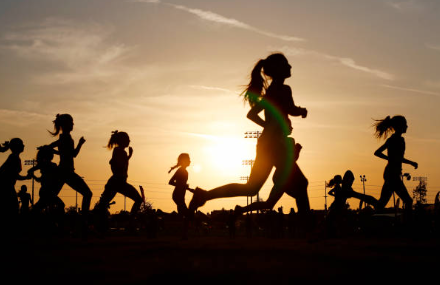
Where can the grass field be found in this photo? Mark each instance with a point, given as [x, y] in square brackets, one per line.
[219, 259]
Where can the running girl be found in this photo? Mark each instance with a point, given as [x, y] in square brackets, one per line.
[9, 174]
[179, 181]
[395, 146]
[117, 183]
[277, 103]
[63, 126]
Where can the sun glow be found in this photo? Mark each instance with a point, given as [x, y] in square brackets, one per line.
[226, 155]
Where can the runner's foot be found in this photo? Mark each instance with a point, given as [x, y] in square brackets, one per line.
[197, 200]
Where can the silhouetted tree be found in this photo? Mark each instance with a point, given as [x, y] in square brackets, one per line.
[419, 193]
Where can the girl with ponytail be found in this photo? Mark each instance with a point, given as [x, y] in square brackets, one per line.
[119, 166]
[267, 93]
[9, 174]
[395, 146]
[63, 126]
[179, 181]
[336, 191]
[343, 189]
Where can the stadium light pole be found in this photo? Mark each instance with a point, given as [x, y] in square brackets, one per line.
[252, 135]
[31, 162]
[246, 178]
[251, 163]
[363, 179]
[421, 179]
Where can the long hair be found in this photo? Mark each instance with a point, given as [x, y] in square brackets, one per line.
[259, 82]
[348, 175]
[12, 145]
[382, 128]
[59, 122]
[336, 180]
[182, 157]
[116, 138]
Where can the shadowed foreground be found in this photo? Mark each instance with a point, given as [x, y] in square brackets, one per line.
[208, 260]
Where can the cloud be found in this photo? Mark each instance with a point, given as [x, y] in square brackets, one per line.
[434, 47]
[216, 18]
[345, 61]
[404, 5]
[21, 119]
[80, 49]
[412, 90]
[210, 88]
[144, 1]
[432, 84]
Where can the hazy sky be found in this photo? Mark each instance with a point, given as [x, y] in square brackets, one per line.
[169, 73]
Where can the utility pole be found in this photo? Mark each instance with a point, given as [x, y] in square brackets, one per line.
[363, 179]
[31, 162]
[325, 196]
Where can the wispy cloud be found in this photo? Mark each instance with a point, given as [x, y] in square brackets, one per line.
[21, 118]
[412, 90]
[210, 88]
[80, 49]
[220, 19]
[434, 47]
[144, 1]
[404, 5]
[345, 61]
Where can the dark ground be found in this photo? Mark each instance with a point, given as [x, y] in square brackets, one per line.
[120, 258]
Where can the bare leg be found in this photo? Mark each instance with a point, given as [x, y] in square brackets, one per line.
[259, 174]
[274, 196]
[403, 194]
[385, 195]
[260, 171]
[365, 198]
[129, 191]
[78, 184]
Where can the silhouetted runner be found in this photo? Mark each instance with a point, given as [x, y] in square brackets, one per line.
[63, 126]
[343, 189]
[179, 181]
[51, 181]
[277, 103]
[25, 200]
[395, 146]
[9, 174]
[117, 183]
[336, 191]
[295, 186]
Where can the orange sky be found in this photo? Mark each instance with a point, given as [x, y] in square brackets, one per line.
[169, 74]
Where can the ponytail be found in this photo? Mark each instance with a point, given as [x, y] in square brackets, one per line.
[257, 85]
[259, 82]
[180, 161]
[173, 167]
[385, 126]
[335, 181]
[112, 141]
[59, 122]
[4, 146]
[115, 139]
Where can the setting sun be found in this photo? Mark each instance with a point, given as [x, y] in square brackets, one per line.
[227, 154]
